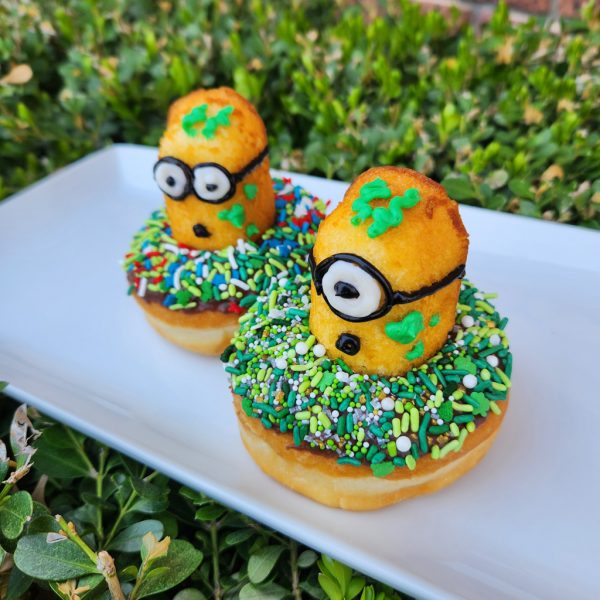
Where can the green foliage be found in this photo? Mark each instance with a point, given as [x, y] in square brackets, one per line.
[507, 118]
[120, 528]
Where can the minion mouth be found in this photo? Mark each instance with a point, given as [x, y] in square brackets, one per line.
[201, 231]
[348, 344]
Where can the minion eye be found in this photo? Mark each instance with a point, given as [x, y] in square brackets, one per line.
[350, 290]
[212, 183]
[172, 178]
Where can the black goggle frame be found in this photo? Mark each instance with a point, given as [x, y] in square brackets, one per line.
[392, 297]
[234, 178]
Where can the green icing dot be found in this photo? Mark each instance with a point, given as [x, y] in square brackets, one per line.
[483, 404]
[406, 330]
[197, 115]
[236, 215]
[251, 230]
[464, 363]
[445, 411]
[435, 319]
[383, 217]
[250, 190]
[416, 352]
[382, 469]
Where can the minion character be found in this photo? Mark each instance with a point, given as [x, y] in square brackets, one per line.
[386, 270]
[213, 170]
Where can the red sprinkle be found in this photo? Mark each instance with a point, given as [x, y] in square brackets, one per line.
[234, 307]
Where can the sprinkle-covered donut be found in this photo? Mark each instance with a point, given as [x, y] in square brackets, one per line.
[197, 263]
[341, 421]
[173, 278]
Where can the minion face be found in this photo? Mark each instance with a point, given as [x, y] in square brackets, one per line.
[386, 282]
[213, 170]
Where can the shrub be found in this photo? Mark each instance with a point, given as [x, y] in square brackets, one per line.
[508, 119]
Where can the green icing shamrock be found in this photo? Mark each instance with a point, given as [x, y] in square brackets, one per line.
[250, 190]
[197, 115]
[383, 217]
[483, 404]
[463, 363]
[236, 215]
[251, 230]
[406, 330]
[416, 352]
[435, 319]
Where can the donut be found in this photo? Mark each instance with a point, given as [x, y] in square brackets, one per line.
[226, 227]
[386, 373]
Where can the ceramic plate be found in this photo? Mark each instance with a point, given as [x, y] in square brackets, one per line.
[523, 524]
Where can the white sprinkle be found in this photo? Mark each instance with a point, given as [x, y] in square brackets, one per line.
[141, 291]
[342, 376]
[276, 313]
[171, 248]
[301, 348]
[492, 360]
[495, 340]
[283, 282]
[469, 381]
[222, 286]
[240, 284]
[403, 443]
[231, 258]
[319, 350]
[460, 342]
[440, 421]
[177, 278]
[468, 321]
[387, 404]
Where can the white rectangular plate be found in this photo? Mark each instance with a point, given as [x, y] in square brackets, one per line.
[523, 524]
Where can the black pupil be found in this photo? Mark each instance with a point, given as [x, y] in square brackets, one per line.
[211, 187]
[345, 290]
[170, 181]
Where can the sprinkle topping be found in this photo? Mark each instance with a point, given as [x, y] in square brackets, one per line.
[160, 269]
[383, 422]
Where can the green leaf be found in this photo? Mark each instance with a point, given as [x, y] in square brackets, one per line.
[237, 537]
[18, 584]
[497, 179]
[210, 512]
[179, 563]
[262, 563]
[3, 385]
[521, 189]
[130, 539]
[264, 591]
[56, 561]
[189, 594]
[355, 586]
[330, 587]
[15, 511]
[307, 559]
[59, 454]
[459, 187]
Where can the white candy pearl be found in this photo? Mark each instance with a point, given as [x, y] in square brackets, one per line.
[403, 443]
[319, 350]
[280, 363]
[492, 360]
[301, 348]
[470, 381]
[342, 376]
[468, 321]
[494, 339]
[387, 404]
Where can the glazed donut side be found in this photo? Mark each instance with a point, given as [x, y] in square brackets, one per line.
[321, 478]
[208, 332]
